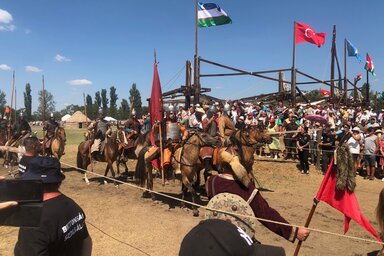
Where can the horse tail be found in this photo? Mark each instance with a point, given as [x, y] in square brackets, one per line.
[141, 168]
[79, 160]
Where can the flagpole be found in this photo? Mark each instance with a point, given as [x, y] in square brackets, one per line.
[293, 71]
[15, 115]
[196, 64]
[43, 99]
[367, 103]
[345, 71]
[307, 222]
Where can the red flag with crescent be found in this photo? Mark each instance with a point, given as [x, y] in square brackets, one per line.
[325, 92]
[305, 33]
[156, 103]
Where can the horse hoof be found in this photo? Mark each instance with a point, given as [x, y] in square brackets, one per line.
[105, 182]
[195, 213]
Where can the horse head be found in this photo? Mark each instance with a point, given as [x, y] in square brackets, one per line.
[60, 133]
[245, 137]
[260, 134]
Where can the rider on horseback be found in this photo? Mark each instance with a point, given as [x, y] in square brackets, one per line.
[131, 128]
[101, 129]
[225, 125]
[50, 128]
[20, 130]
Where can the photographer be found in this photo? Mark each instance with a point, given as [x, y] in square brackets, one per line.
[62, 229]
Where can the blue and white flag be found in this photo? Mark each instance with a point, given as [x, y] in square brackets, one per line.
[211, 14]
[353, 51]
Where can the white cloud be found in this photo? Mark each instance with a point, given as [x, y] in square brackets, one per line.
[61, 58]
[7, 27]
[79, 82]
[5, 17]
[4, 67]
[32, 69]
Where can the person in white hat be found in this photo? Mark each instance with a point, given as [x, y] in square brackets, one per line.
[354, 146]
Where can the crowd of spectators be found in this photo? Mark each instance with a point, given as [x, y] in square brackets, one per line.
[309, 133]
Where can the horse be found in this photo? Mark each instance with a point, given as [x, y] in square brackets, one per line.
[3, 138]
[127, 148]
[109, 155]
[58, 143]
[191, 145]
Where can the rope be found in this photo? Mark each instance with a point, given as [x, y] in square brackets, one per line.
[116, 239]
[225, 212]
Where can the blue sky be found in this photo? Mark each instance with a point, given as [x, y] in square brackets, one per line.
[99, 44]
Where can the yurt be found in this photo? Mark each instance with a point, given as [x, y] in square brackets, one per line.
[77, 120]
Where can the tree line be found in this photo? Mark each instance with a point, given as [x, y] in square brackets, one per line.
[101, 99]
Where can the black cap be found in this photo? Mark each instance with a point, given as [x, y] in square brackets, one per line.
[46, 169]
[216, 237]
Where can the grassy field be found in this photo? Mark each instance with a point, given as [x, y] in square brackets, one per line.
[74, 135]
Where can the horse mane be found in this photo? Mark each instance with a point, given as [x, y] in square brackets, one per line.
[237, 142]
[143, 139]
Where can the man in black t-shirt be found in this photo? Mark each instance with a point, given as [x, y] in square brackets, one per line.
[327, 145]
[62, 230]
[32, 149]
[344, 136]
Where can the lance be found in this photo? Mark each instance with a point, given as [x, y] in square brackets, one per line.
[43, 104]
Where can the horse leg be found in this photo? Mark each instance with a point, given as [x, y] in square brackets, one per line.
[188, 187]
[150, 180]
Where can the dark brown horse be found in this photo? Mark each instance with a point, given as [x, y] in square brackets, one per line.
[109, 155]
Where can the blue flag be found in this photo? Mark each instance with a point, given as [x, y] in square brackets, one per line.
[353, 51]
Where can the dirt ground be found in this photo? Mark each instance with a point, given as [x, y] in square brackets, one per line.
[121, 222]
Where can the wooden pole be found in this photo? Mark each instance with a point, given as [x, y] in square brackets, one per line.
[43, 103]
[367, 91]
[345, 72]
[333, 63]
[188, 88]
[307, 222]
[293, 71]
[161, 153]
[15, 113]
[196, 64]
[13, 92]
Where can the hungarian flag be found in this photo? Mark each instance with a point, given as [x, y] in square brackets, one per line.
[156, 103]
[325, 92]
[369, 65]
[210, 14]
[358, 77]
[344, 201]
[305, 33]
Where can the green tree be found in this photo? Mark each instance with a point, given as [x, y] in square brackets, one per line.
[28, 101]
[364, 94]
[104, 101]
[313, 95]
[112, 103]
[124, 109]
[46, 105]
[90, 106]
[70, 109]
[135, 99]
[97, 104]
[3, 102]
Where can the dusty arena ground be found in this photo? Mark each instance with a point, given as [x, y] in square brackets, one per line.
[121, 222]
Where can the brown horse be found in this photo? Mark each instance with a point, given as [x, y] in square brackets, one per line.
[109, 155]
[127, 148]
[58, 143]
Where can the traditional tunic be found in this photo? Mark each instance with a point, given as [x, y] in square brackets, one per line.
[225, 183]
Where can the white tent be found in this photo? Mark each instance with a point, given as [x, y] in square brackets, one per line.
[65, 118]
[110, 119]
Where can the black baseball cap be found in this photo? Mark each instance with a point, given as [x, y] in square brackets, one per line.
[215, 237]
[46, 169]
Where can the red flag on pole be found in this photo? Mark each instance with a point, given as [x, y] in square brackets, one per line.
[156, 103]
[344, 201]
[305, 33]
[325, 92]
